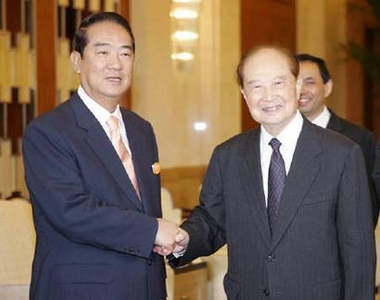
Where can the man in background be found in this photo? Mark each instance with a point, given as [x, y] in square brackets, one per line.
[317, 86]
[92, 172]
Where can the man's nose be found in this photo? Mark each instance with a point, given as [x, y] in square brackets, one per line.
[267, 93]
[303, 88]
[114, 61]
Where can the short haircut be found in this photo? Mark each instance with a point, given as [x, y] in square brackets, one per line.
[293, 64]
[323, 71]
[80, 39]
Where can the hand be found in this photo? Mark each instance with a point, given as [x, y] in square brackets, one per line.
[166, 236]
[182, 240]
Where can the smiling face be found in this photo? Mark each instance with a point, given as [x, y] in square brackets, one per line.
[270, 89]
[106, 66]
[313, 92]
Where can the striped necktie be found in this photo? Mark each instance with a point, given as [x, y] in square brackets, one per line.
[276, 181]
[125, 157]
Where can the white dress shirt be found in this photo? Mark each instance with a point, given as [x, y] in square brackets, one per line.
[102, 115]
[288, 138]
[323, 119]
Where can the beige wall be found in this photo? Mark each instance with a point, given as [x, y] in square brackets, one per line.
[321, 30]
[173, 97]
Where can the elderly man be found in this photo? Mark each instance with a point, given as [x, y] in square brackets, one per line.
[290, 199]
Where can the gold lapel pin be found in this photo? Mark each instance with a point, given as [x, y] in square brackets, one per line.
[156, 168]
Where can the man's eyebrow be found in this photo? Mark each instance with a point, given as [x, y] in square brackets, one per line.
[252, 81]
[101, 44]
[283, 77]
[127, 47]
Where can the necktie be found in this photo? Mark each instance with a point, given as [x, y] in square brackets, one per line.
[125, 157]
[276, 181]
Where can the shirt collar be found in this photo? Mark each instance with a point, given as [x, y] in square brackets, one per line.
[100, 113]
[288, 136]
[323, 119]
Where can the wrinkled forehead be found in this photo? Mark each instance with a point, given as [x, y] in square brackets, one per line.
[266, 63]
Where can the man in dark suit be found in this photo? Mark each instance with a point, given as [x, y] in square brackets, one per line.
[316, 88]
[97, 220]
[318, 242]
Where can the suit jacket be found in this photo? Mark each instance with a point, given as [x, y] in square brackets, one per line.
[376, 168]
[94, 236]
[322, 245]
[366, 141]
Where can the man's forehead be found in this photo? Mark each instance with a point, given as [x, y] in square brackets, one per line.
[266, 59]
[308, 65]
[106, 28]
[266, 69]
[268, 53]
[309, 70]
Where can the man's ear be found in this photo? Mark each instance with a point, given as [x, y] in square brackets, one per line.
[298, 87]
[328, 88]
[76, 59]
[242, 92]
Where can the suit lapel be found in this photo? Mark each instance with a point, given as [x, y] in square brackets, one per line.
[102, 147]
[251, 177]
[305, 166]
[335, 123]
[142, 165]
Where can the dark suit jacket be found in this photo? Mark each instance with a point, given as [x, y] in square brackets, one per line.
[323, 244]
[366, 141]
[376, 169]
[94, 236]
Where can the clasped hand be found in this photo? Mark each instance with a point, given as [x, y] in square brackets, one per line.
[170, 238]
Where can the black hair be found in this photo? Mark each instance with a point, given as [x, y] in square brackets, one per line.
[80, 39]
[325, 74]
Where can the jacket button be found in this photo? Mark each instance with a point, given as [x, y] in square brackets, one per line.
[270, 257]
[266, 292]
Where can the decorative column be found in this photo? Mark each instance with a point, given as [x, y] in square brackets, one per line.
[17, 88]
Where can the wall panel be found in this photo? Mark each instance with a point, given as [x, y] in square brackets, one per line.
[266, 22]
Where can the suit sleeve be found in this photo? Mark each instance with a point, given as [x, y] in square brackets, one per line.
[61, 196]
[355, 231]
[375, 176]
[369, 151]
[206, 223]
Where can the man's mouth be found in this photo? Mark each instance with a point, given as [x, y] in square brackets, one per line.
[272, 108]
[303, 100]
[114, 78]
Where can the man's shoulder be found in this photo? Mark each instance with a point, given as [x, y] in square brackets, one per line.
[132, 115]
[59, 115]
[346, 126]
[239, 143]
[133, 119]
[325, 138]
[356, 133]
[239, 138]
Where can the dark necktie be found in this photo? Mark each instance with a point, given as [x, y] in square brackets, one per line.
[276, 181]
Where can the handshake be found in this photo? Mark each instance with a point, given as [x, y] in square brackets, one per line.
[170, 238]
